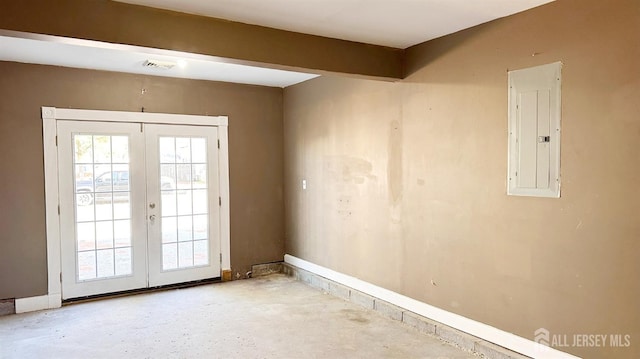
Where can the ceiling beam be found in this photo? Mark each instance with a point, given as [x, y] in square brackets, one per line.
[114, 22]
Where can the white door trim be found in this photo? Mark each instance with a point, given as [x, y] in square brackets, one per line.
[49, 134]
[135, 117]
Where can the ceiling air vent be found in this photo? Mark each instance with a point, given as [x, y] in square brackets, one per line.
[157, 64]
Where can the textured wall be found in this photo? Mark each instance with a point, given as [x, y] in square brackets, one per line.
[255, 151]
[407, 181]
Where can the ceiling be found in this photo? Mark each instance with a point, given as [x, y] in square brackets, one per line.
[393, 23]
[51, 50]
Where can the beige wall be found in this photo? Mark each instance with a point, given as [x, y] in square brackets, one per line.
[255, 150]
[407, 181]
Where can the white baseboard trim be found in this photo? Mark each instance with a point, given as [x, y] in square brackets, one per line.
[32, 304]
[483, 331]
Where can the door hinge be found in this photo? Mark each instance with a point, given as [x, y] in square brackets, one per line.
[220, 258]
[220, 201]
[60, 277]
[218, 144]
[141, 122]
[56, 141]
[58, 210]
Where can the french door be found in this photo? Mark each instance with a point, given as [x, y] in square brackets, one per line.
[139, 205]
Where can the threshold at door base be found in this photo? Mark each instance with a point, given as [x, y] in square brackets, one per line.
[139, 291]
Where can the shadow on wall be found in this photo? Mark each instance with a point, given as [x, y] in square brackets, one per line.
[479, 53]
[418, 56]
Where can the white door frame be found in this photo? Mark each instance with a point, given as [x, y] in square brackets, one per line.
[49, 138]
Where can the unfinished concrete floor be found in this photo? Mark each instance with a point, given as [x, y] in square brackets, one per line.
[267, 317]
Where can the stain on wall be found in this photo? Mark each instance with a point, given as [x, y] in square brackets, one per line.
[255, 151]
[394, 163]
[437, 211]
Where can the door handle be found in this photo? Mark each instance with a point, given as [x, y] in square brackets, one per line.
[152, 217]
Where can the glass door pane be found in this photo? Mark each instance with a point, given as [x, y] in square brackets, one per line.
[184, 198]
[102, 205]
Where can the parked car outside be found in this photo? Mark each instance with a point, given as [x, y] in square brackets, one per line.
[116, 182]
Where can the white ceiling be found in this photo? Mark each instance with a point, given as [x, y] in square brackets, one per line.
[394, 23]
[49, 50]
